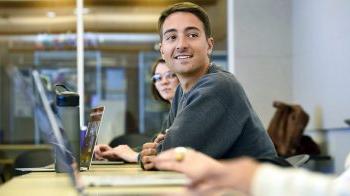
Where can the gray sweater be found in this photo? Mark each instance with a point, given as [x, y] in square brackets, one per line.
[216, 118]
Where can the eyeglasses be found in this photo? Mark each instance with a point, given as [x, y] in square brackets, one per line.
[167, 75]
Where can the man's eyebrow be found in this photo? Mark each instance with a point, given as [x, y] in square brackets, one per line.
[192, 28]
[169, 30]
[186, 29]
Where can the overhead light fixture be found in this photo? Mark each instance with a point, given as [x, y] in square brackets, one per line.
[51, 14]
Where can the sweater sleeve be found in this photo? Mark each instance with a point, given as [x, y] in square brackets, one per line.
[197, 123]
[274, 181]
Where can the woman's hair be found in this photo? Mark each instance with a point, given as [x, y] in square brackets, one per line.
[154, 90]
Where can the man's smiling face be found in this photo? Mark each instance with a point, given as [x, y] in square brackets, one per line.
[185, 46]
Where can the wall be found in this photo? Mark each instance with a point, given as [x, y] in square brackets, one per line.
[321, 63]
[218, 24]
[263, 51]
[296, 51]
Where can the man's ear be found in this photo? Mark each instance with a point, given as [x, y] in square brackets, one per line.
[210, 45]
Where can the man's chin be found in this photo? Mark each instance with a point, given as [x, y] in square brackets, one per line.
[186, 72]
[183, 68]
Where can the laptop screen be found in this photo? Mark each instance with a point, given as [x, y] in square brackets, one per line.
[90, 138]
[36, 97]
[50, 126]
[63, 152]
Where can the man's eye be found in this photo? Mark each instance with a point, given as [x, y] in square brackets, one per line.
[171, 37]
[193, 35]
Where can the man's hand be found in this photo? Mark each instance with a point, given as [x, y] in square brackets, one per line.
[148, 153]
[160, 137]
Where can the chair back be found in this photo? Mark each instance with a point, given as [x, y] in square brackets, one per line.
[34, 158]
[286, 131]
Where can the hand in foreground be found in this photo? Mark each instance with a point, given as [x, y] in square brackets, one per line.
[99, 149]
[148, 153]
[206, 173]
[123, 152]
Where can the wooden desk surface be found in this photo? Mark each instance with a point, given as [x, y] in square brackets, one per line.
[44, 183]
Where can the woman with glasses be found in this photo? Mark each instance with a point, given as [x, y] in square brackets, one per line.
[163, 89]
[164, 82]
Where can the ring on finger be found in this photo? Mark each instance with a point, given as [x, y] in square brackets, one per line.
[180, 153]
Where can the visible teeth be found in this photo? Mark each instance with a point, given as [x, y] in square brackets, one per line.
[183, 57]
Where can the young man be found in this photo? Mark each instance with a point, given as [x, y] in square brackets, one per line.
[210, 111]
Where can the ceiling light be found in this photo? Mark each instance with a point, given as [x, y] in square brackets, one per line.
[51, 14]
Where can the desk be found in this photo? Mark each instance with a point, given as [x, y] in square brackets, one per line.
[51, 183]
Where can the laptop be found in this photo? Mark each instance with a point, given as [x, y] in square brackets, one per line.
[94, 123]
[88, 145]
[87, 148]
[43, 112]
[106, 162]
[90, 140]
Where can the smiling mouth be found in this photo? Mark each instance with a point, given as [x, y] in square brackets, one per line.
[183, 57]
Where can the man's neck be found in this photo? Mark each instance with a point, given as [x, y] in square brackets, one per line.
[188, 81]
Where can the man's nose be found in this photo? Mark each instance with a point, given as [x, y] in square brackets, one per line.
[182, 43]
